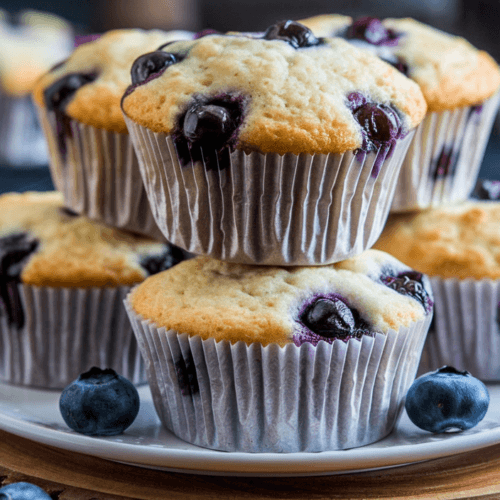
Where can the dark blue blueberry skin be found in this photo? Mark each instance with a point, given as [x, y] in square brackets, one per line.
[23, 491]
[99, 403]
[15, 250]
[413, 284]
[329, 317]
[207, 130]
[447, 399]
[152, 65]
[294, 33]
[371, 30]
[172, 255]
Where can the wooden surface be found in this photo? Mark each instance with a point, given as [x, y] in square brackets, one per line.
[70, 476]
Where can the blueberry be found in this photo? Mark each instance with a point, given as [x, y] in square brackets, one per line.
[447, 399]
[487, 190]
[60, 93]
[398, 63]
[15, 250]
[156, 263]
[23, 491]
[379, 122]
[99, 403]
[208, 123]
[331, 317]
[371, 30]
[153, 63]
[296, 34]
[413, 284]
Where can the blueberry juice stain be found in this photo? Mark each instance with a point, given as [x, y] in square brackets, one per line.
[15, 250]
[187, 379]
[58, 96]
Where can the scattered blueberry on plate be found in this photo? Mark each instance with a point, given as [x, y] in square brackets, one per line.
[447, 399]
[99, 403]
[23, 491]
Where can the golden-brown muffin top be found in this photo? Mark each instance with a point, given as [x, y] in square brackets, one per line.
[108, 59]
[234, 302]
[450, 71]
[293, 100]
[459, 241]
[72, 251]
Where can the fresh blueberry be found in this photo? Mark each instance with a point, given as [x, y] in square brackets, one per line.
[447, 399]
[15, 250]
[371, 30]
[99, 403]
[296, 34]
[23, 491]
[413, 284]
[156, 263]
[332, 318]
[153, 63]
[486, 190]
[60, 93]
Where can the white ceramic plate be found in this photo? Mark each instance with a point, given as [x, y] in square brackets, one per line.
[34, 414]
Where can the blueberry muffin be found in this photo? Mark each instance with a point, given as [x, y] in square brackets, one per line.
[460, 84]
[63, 278]
[246, 141]
[91, 157]
[223, 343]
[30, 43]
[458, 247]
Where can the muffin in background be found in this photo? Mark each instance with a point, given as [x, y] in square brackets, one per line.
[30, 43]
[458, 247]
[281, 359]
[460, 85]
[63, 279]
[92, 160]
[279, 149]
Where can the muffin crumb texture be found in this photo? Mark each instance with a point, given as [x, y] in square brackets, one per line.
[459, 241]
[224, 301]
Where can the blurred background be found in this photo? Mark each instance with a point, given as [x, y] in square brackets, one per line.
[476, 20]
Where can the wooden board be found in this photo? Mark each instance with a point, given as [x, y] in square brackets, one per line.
[70, 476]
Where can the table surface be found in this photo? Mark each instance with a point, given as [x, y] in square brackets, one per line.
[71, 476]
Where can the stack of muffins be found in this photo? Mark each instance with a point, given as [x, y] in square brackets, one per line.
[433, 227]
[275, 158]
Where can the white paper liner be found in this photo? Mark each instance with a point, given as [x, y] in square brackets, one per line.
[21, 138]
[466, 332]
[268, 209]
[463, 131]
[272, 399]
[66, 332]
[99, 176]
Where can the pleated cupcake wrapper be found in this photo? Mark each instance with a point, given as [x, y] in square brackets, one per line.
[66, 332]
[466, 331]
[249, 398]
[266, 208]
[21, 138]
[464, 133]
[99, 176]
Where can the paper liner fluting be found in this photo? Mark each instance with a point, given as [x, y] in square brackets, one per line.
[21, 138]
[443, 161]
[67, 331]
[98, 174]
[269, 209]
[249, 398]
[466, 332]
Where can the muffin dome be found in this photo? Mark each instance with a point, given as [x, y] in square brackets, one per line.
[460, 241]
[449, 70]
[47, 245]
[369, 293]
[88, 86]
[287, 92]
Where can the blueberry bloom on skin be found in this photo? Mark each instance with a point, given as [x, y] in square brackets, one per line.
[447, 399]
[23, 491]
